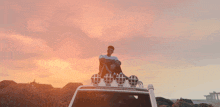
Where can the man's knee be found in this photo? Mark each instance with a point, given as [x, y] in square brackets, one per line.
[117, 63]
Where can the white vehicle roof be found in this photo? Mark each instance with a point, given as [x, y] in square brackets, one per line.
[119, 85]
[114, 89]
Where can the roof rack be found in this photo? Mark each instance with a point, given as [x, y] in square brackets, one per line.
[119, 80]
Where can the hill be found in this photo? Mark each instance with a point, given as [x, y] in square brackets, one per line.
[35, 94]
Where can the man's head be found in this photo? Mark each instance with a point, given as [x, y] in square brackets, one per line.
[110, 50]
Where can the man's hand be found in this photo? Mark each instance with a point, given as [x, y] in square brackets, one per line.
[118, 63]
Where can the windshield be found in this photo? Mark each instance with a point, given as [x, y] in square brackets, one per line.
[110, 99]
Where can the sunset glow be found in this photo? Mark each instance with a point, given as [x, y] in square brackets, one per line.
[171, 44]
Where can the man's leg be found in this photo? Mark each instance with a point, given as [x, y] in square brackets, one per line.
[103, 73]
[118, 71]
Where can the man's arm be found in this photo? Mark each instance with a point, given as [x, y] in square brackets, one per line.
[100, 69]
[102, 60]
[117, 62]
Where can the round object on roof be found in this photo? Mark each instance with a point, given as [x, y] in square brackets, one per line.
[140, 84]
[108, 78]
[133, 80]
[120, 78]
[96, 79]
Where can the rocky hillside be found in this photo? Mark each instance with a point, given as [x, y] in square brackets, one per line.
[163, 102]
[14, 94]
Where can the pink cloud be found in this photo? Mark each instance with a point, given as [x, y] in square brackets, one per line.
[184, 27]
[68, 48]
[26, 44]
[3, 75]
[106, 20]
[37, 25]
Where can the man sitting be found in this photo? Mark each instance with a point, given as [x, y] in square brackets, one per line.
[109, 64]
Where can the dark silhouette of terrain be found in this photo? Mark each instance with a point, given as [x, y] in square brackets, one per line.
[163, 102]
[33, 94]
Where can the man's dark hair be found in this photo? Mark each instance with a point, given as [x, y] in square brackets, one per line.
[111, 47]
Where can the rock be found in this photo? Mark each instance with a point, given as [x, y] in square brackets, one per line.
[205, 105]
[188, 103]
[164, 101]
[42, 86]
[20, 94]
[71, 86]
[164, 106]
[196, 105]
[6, 83]
[187, 100]
[182, 104]
[35, 94]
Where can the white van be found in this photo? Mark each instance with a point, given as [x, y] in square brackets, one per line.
[114, 92]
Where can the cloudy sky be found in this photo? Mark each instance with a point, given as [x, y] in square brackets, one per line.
[172, 44]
